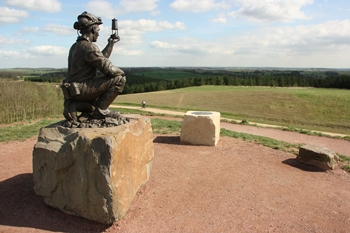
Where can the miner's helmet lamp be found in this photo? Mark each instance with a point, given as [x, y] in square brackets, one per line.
[85, 20]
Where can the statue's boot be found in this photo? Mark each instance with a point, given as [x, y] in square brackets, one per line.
[102, 104]
[69, 111]
[71, 107]
[86, 108]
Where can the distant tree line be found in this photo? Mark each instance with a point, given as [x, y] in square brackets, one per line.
[137, 82]
[52, 77]
[10, 75]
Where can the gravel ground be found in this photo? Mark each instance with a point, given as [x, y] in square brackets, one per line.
[236, 186]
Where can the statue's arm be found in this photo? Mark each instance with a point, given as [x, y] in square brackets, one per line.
[107, 51]
[97, 58]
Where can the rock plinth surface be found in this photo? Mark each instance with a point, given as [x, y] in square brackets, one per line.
[201, 128]
[318, 156]
[93, 172]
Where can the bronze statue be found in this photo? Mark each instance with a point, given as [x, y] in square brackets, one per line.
[83, 91]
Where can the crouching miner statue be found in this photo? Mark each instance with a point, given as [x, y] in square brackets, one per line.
[83, 91]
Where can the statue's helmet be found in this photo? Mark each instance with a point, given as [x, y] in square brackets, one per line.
[85, 20]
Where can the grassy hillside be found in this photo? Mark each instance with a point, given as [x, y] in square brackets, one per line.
[22, 101]
[308, 108]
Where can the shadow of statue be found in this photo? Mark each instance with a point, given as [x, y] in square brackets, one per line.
[21, 207]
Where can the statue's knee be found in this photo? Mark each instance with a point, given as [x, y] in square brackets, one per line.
[119, 83]
[122, 80]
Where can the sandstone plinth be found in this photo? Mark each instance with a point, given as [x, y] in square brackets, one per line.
[93, 172]
[201, 128]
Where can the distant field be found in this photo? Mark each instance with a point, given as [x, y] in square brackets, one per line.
[307, 108]
[32, 71]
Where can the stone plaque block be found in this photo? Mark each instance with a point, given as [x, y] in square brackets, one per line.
[93, 172]
[318, 156]
[201, 128]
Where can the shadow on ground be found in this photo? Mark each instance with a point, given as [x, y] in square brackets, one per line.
[21, 207]
[167, 139]
[308, 168]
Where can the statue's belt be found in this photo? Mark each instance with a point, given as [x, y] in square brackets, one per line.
[70, 89]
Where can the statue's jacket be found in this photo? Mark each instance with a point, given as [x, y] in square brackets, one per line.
[84, 59]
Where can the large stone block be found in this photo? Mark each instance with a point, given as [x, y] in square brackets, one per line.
[318, 156]
[201, 128]
[93, 172]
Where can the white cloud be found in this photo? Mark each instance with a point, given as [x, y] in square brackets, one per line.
[107, 9]
[6, 40]
[180, 25]
[163, 45]
[260, 10]
[46, 50]
[271, 10]
[198, 6]
[189, 46]
[146, 25]
[167, 25]
[330, 35]
[30, 29]
[102, 7]
[283, 46]
[9, 54]
[155, 12]
[27, 30]
[131, 31]
[220, 19]
[59, 29]
[37, 5]
[138, 5]
[8, 15]
[128, 52]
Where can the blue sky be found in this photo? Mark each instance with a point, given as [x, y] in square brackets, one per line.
[234, 33]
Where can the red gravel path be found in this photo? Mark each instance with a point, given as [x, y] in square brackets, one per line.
[234, 187]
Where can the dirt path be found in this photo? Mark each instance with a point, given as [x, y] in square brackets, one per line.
[337, 145]
[180, 100]
[236, 186]
[170, 112]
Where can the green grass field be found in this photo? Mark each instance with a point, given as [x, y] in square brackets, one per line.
[307, 108]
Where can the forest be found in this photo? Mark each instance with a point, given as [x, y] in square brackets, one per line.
[139, 82]
[148, 79]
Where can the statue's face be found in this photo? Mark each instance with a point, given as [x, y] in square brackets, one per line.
[96, 33]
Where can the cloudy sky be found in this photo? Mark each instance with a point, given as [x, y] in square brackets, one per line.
[234, 33]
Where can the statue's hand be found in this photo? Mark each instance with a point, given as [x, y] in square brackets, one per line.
[113, 38]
